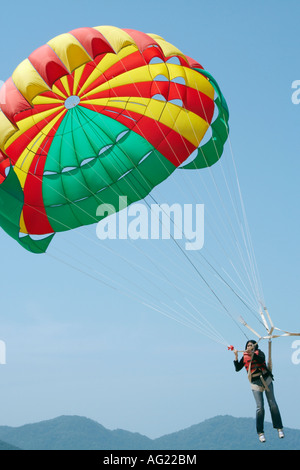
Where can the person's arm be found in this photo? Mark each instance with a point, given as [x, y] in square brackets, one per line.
[238, 364]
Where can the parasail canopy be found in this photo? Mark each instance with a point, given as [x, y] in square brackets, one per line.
[95, 114]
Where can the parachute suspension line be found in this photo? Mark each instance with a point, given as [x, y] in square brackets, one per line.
[196, 269]
[257, 281]
[222, 247]
[204, 326]
[247, 236]
[147, 188]
[241, 225]
[221, 277]
[248, 241]
[192, 264]
[103, 265]
[189, 260]
[227, 186]
[213, 329]
[137, 298]
[166, 276]
[245, 228]
[228, 285]
[219, 195]
[252, 263]
[80, 270]
[179, 318]
[234, 267]
[216, 270]
[204, 332]
[143, 188]
[135, 266]
[183, 253]
[205, 281]
[255, 266]
[212, 267]
[88, 273]
[173, 151]
[231, 198]
[245, 300]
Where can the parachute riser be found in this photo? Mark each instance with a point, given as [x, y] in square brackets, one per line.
[270, 362]
[270, 328]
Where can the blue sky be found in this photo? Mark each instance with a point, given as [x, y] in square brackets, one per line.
[77, 346]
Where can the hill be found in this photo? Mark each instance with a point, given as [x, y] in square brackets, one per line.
[71, 433]
[79, 433]
[6, 446]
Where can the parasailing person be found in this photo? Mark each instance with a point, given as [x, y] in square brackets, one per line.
[261, 379]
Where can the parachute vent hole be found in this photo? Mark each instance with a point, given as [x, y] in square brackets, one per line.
[177, 102]
[155, 46]
[145, 156]
[124, 115]
[72, 101]
[81, 199]
[101, 189]
[68, 168]
[87, 160]
[112, 111]
[207, 137]
[36, 237]
[191, 157]
[104, 150]
[160, 78]
[159, 97]
[216, 114]
[122, 135]
[156, 60]
[122, 176]
[174, 60]
[179, 80]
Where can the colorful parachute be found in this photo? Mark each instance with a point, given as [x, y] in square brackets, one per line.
[94, 114]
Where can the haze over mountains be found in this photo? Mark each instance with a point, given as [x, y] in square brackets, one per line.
[79, 433]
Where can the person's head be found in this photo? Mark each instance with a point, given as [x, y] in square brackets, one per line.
[251, 346]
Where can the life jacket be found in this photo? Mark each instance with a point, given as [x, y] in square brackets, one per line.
[254, 365]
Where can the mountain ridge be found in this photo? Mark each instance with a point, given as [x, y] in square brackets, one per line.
[72, 432]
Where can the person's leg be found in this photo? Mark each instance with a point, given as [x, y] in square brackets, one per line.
[275, 413]
[260, 411]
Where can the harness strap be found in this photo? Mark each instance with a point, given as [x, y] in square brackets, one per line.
[264, 384]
